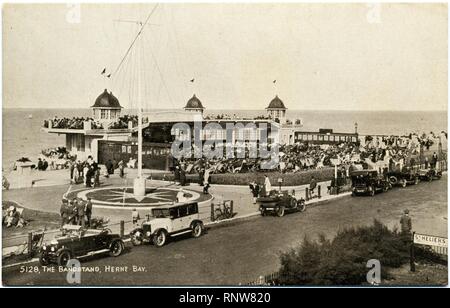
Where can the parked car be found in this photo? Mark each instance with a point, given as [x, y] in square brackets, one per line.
[280, 202]
[368, 182]
[429, 174]
[77, 241]
[169, 221]
[402, 178]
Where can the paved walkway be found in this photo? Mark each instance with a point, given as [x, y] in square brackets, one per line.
[46, 196]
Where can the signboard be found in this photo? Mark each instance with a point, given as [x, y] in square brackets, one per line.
[423, 239]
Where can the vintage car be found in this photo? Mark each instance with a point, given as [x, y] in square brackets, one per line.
[279, 203]
[368, 182]
[169, 221]
[77, 241]
[402, 178]
[429, 174]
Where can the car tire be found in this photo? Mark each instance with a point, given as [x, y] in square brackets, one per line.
[136, 240]
[280, 211]
[197, 229]
[301, 206]
[43, 260]
[372, 192]
[404, 183]
[64, 257]
[393, 180]
[263, 213]
[160, 238]
[117, 248]
[416, 181]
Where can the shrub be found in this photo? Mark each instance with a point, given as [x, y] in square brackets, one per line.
[342, 260]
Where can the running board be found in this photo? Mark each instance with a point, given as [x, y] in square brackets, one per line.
[180, 233]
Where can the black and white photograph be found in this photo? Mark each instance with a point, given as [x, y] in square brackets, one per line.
[214, 144]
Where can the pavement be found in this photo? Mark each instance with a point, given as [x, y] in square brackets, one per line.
[240, 251]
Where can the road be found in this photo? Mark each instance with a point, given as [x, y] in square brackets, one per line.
[241, 251]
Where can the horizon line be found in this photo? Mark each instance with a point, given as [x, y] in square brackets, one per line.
[245, 109]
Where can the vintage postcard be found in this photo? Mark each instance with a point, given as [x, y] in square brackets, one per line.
[224, 144]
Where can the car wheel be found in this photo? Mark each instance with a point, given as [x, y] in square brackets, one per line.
[393, 180]
[301, 206]
[197, 229]
[160, 238]
[416, 181]
[116, 248]
[280, 211]
[64, 257]
[263, 213]
[430, 178]
[372, 191]
[136, 240]
[43, 260]
[403, 183]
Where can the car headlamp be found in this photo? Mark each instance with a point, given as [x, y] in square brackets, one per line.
[44, 247]
[52, 249]
[148, 233]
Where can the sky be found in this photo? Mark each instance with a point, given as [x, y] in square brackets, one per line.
[322, 56]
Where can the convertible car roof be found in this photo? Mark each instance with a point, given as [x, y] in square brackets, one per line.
[363, 172]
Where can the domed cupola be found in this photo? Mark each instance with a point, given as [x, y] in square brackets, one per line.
[194, 105]
[106, 107]
[276, 110]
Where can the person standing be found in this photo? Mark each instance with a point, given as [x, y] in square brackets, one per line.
[434, 160]
[312, 186]
[121, 169]
[64, 212]
[71, 212]
[267, 185]
[182, 177]
[177, 174]
[88, 211]
[135, 216]
[406, 226]
[254, 188]
[80, 213]
[71, 168]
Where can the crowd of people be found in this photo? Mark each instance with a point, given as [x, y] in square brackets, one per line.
[87, 172]
[72, 123]
[372, 150]
[76, 212]
[12, 217]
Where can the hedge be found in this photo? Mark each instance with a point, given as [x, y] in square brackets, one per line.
[289, 179]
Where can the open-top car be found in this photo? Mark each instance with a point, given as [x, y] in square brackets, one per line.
[403, 178]
[169, 221]
[280, 202]
[77, 241]
[429, 174]
[368, 182]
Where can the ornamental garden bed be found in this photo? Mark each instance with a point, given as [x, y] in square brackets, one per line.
[289, 179]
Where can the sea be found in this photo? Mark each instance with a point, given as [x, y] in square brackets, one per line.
[23, 137]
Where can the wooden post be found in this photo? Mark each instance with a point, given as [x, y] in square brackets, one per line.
[306, 194]
[30, 244]
[212, 211]
[231, 207]
[122, 228]
[318, 192]
[412, 258]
